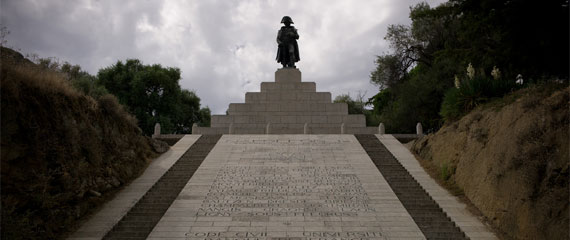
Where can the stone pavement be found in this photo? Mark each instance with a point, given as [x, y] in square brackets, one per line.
[294, 187]
[287, 186]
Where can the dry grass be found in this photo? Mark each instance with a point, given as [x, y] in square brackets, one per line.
[57, 145]
[511, 159]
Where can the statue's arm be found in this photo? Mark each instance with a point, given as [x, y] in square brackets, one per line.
[279, 37]
[296, 34]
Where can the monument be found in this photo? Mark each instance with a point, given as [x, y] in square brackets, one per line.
[287, 105]
[273, 185]
[287, 47]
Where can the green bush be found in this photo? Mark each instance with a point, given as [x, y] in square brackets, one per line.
[472, 93]
[86, 85]
[451, 108]
[445, 172]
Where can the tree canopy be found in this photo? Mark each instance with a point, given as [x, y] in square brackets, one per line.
[153, 94]
[515, 36]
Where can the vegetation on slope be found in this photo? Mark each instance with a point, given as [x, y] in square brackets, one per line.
[510, 159]
[151, 93]
[63, 152]
[426, 57]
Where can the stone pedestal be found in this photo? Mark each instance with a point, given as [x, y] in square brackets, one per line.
[288, 104]
[288, 75]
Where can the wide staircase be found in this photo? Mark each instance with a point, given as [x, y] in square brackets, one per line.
[287, 106]
[147, 212]
[427, 214]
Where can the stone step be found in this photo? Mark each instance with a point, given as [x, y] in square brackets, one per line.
[293, 126]
[436, 224]
[296, 97]
[128, 229]
[272, 87]
[413, 197]
[292, 121]
[145, 214]
[288, 107]
[448, 234]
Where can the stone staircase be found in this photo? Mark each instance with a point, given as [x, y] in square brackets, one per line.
[147, 212]
[287, 106]
[427, 214]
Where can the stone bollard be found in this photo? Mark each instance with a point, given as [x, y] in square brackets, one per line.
[231, 129]
[267, 128]
[156, 130]
[195, 128]
[342, 129]
[381, 129]
[306, 128]
[419, 129]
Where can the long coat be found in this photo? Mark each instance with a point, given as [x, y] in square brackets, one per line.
[286, 37]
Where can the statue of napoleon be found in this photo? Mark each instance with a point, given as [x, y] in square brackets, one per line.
[287, 50]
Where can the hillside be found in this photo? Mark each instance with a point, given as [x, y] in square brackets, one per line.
[63, 153]
[510, 159]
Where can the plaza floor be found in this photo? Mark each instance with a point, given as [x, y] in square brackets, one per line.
[295, 187]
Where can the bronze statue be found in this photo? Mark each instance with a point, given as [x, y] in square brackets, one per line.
[287, 50]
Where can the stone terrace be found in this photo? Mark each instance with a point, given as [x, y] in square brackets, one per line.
[294, 187]
[287, 106]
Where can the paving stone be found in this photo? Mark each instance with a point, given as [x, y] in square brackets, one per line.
[293, 186]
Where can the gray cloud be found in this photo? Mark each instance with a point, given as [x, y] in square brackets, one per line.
[224, 48]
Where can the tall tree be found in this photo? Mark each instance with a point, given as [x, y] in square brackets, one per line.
[153, 94]
[517, 36]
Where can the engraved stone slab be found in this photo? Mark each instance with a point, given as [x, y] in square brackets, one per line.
[290, 187]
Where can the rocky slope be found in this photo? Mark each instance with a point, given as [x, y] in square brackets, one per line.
[63, 153]
[510, 158]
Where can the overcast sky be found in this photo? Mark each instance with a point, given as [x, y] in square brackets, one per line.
[224, 48]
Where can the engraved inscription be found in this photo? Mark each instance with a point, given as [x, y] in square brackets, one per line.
[279, 184]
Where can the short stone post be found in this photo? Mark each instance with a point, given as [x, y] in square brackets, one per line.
[195, 128]
[231, 129]
[267, 128]
[419, 129]
[306, 128]
[381, 129]
[342, 129]
[156, 130]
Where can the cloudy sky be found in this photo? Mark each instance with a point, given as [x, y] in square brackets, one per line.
[223, 47]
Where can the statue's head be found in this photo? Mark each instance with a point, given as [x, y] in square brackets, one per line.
[286, 20]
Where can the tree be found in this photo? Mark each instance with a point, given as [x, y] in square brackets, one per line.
[79, 79]
[357, 106]
[354, 106]
[152, 93]
[518, 36]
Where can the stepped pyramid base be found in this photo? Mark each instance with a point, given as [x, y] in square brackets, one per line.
[287, 106]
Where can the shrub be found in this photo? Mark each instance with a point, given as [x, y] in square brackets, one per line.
[451, 108]
[445, 172]
[471, 93]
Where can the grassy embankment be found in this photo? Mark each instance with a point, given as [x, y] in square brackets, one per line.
[509, 159]
[63, 153]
